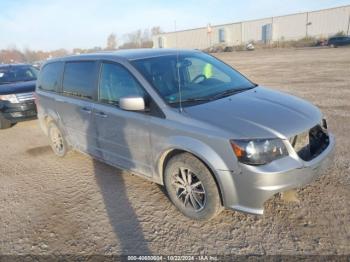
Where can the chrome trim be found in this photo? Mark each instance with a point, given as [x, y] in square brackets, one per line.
[22, 97]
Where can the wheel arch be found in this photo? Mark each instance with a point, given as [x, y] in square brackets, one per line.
[47, 118]
[199, 150]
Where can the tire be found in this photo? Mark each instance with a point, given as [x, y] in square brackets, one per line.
[57, 140]
[4, 123]
[201, 199]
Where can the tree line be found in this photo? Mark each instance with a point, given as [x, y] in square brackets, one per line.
[137, 39]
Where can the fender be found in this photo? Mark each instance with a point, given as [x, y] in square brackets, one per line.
[219, 169]
[46, 117]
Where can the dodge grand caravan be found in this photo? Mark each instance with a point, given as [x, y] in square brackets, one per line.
[187, 121]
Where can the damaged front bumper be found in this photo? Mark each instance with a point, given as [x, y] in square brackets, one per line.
[249, 189]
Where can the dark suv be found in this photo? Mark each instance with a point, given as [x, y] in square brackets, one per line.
[339, 41]
[17, 85]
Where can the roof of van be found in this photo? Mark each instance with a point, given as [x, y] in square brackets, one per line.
[130, 54]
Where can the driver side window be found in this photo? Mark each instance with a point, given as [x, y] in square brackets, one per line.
[200, 70]
[117, 82]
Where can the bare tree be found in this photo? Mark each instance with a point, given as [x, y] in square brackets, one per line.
[111, 42]
[141, 38]
[11, 55]
[156, 30]
[135, 38]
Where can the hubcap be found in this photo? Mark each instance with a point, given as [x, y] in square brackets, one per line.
[57, 140]
[189, 189]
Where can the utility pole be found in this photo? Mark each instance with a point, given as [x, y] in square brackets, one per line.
[307, 23]
[348, 24]
[209, 32]
[272, 29]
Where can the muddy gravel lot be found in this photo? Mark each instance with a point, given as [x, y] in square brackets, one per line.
[76, 205]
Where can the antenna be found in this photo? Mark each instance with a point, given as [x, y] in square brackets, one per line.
[178, 70]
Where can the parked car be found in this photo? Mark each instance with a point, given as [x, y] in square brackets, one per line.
[17, 84]
[187, 121]
[250, 47]
[339, 41]
[37, 64]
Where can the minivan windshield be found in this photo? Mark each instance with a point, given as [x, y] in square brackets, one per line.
[199, 76]
[13, 74]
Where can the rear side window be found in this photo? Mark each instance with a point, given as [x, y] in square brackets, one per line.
[50, 77]
[79, 79]
[117, 82]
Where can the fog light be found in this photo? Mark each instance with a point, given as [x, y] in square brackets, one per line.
[16, 114]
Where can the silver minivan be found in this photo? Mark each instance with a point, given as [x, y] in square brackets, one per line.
[185, 120]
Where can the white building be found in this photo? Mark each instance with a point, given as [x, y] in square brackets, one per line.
[319, 24]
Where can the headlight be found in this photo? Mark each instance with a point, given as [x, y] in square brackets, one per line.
[10, 98]
[259, 151]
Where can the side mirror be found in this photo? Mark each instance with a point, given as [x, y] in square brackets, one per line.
[132, 103]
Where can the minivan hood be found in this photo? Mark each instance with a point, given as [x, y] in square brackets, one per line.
[258, 113]
[18, 87]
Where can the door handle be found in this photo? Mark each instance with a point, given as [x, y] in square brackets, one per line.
[101, 114]
[86, 110]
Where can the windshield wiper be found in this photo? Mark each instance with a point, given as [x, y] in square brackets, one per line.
[232, 92]
[190, 100]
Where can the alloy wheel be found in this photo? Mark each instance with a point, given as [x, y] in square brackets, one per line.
[189, 189]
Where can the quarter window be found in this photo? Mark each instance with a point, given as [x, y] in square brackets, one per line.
[117, 82]
[79, 79]
[50, 77]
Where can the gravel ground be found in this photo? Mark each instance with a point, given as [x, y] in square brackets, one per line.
[76, 205]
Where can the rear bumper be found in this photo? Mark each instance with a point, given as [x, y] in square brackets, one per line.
[17, 112]
[254, 185]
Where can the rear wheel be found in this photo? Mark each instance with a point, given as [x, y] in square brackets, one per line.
[4, 123]
[191, 187]
[57, 141]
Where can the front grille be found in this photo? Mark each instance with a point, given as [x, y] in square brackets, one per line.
[312, 143]
[25, 97]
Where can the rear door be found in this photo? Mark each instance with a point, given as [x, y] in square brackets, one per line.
[122, 137]
[76, 104]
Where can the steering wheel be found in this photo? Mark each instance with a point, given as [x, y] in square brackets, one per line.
[198, 77]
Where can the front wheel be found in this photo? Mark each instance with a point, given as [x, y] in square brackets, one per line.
[57, 141]
[191, 187]
[4, 123]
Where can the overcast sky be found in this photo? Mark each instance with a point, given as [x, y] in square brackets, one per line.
[53, 24]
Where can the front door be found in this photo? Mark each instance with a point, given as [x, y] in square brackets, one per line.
[122, 137]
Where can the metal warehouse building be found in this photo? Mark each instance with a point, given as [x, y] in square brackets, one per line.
[319, 24]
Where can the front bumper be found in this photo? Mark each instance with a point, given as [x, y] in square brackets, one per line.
[17, 112]
[253, 185]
